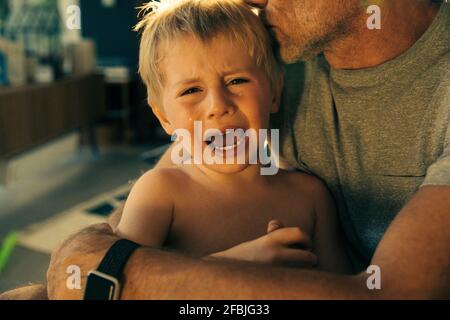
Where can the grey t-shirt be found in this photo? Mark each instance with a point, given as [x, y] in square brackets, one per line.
[374, 135]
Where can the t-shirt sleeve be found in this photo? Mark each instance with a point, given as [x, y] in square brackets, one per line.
[438, 174]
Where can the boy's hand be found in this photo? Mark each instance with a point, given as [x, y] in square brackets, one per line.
[289, 247]
[274, 225]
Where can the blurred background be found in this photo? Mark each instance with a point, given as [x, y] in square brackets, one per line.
[75, 128]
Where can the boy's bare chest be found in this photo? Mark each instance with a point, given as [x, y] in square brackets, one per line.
[207, 222]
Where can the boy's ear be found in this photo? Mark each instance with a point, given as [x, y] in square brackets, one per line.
[167, 126]
[276, 94]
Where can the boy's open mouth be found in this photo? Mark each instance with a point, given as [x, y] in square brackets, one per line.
[229, 140]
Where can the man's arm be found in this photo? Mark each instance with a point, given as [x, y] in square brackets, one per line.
[31, 292]
[413, 258]
[328, 241]
[414, 253]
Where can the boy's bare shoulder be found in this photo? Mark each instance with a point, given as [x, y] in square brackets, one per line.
[169, 179]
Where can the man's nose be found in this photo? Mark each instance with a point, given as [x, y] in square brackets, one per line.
[261, 4]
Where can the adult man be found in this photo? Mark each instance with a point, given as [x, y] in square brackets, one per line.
[373, 122]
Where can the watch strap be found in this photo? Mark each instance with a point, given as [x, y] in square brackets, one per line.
[104, 283]
[117, 257]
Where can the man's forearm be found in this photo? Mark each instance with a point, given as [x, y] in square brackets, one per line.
[85, 249]
[157, 274]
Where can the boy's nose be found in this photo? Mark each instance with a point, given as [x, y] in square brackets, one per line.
[261, 4]
[219, 106]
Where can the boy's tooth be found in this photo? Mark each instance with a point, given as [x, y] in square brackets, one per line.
[226, 148]
[231, 147]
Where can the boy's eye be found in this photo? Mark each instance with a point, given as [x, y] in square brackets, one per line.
[190, 91]
[238, 81]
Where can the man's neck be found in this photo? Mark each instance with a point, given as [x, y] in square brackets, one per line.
[403, 22]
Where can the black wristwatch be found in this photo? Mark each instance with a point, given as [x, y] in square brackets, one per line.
[104, 283]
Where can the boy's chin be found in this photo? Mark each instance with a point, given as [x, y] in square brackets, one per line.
[227, 168]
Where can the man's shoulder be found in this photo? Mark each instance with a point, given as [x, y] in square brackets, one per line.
[439, 68]
[443, 65]
[437, 78]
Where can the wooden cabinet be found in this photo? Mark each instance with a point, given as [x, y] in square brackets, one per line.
[32, 115]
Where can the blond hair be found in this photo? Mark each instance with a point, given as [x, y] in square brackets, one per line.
[168, 19]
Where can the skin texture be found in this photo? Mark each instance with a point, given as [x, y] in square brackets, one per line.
[32, 292]
[304, 28]
[413, 254]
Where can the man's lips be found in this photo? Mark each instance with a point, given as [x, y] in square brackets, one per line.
[270, 28]
[265, 20]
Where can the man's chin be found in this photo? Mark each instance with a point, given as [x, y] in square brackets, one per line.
[292, 55]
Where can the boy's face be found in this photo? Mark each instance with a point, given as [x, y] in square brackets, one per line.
[216, 83]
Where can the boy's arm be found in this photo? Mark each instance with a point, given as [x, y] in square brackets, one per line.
[164, 162]
[328, 241]
[147, 214]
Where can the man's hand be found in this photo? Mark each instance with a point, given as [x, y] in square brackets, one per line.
[78, 250]
[288, 247]
[31, 292]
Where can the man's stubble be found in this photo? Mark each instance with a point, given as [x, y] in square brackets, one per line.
[305, 28]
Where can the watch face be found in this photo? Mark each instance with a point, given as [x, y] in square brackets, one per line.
[99, 288]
